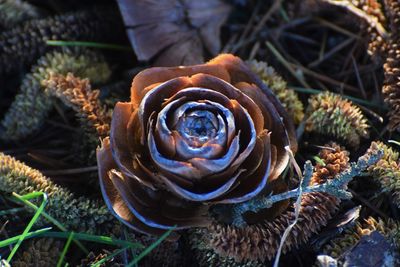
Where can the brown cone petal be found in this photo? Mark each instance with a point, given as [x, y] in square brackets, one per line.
[240, 72]
[171, 143]
[151, 101]
[134, 133]
[209, 166]
[112, 198]
[197, 93]
[253, 183]
[149, 209]
[185, 151]
[207, 196]
[157, 75]
[210, 82]
[119, 140]
[181, 181]
[273, 122]
[180, 168]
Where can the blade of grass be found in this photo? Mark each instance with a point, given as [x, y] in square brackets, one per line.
[319, 160]
[88, 44]
[66, 247]
[59, 225]
[150, 248]
[32, 221]
[14, 239]
[77, 236]
[95, 238]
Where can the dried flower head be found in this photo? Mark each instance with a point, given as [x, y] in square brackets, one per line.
[78, 94]
[43, 252]
[330, 114]
[288, 97]
[387, 170]
[335, 158]
[31, 105]
[76, 213]
[259, 242]
[189, 138]
[176, 31]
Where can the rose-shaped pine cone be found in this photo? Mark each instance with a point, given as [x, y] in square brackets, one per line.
[192, 137]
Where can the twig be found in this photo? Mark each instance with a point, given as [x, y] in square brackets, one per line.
[336, 187]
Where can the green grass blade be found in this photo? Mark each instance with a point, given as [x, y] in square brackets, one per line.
[150, 248]
[96, 238]
[50, 219]
[14, 239]
[88, 44]
[32, 221]
[77, 236]
[66, 247]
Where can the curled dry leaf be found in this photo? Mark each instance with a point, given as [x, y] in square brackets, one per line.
[174, 31]
[189, 138]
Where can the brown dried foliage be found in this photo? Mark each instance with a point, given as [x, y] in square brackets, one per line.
[77, 94]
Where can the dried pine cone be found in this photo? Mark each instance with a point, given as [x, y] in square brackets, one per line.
[31, 105]
[43, 252]
[253, 244]
[76, 213]
[192, 137]
[22, 45]
[77, 94]
[289, 98]
[387, 170]
[330, 114]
